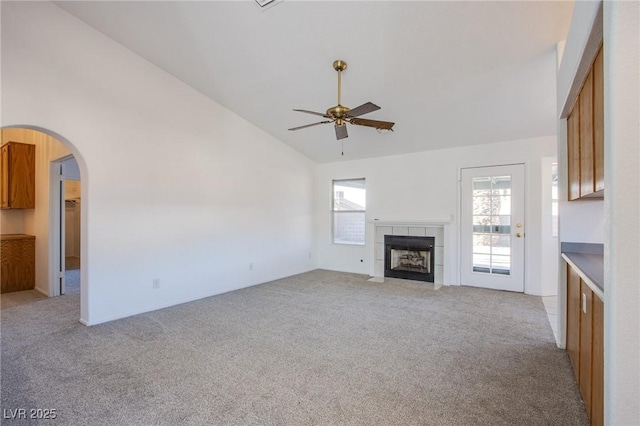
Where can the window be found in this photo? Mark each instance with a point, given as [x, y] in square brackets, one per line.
[349, 204]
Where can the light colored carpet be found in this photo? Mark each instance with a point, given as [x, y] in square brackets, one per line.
[317, 348]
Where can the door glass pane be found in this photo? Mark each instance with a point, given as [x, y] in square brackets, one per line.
[492, 224]
[482, 243]
[481, 186]
[481, 263]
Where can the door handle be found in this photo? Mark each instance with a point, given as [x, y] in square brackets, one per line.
[519, 234]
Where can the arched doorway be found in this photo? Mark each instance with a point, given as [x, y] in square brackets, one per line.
[43, 221]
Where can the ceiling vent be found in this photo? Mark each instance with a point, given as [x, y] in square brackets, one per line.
[263, 3]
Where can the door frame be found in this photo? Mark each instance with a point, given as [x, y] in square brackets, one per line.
[459, 215]
[57, 226]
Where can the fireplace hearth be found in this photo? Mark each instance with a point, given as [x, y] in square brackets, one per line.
[409, 257]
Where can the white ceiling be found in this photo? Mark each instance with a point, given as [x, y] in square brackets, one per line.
[447, 73]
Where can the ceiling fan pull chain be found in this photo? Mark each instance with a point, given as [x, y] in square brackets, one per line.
[342, 141]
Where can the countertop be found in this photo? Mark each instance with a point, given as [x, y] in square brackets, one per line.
[6, 237]
[588, 261]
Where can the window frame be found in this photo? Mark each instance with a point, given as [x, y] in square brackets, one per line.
[334, 211]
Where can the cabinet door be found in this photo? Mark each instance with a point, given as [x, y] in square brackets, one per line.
[573, 319]
[18, 185]
[598, 121]
[586, 137]
[17, 264]
[22, 184]
[4, 176]
[597, 362]
[586, 330]
[573, 152]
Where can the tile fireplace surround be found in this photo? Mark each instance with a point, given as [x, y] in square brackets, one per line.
[440, 230]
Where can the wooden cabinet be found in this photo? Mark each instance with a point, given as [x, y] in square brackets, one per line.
[585, 343]
[17, 262]
[597, 364]
[573, 152]
[598, 122]
[586, 339]
[17, 177]
[573, 319]
[585, 137]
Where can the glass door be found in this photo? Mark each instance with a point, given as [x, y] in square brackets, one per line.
[492, 219]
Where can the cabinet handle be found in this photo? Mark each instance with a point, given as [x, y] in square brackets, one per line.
[584, 303]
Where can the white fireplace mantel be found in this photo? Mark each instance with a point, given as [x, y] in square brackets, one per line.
[435, 222]
[440, 228]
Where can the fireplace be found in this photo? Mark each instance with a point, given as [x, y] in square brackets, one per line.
[409, 257]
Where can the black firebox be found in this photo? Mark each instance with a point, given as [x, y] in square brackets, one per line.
[409, 257]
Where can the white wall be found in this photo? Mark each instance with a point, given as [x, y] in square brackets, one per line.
[549, 253]
[622, 186]
[175, 186]
[11, 222]
[71, 169]
[424, 187]
[613, 221]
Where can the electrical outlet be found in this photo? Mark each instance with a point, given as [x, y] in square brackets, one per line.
[156, 283]
[251, 266]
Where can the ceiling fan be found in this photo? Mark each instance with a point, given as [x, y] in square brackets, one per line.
[341, 115]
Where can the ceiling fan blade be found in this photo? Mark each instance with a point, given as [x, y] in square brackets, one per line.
[382, 125]
[363, 109]
[321, 114]
[310, 125]
[341, 132]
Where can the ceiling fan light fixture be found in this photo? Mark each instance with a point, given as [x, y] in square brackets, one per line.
[341, 115]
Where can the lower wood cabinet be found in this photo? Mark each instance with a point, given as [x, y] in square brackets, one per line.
[597, 363]
[573, 319]
[585, 343]
[17, 262]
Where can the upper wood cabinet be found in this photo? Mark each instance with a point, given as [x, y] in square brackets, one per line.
[573, 152]
[17, 177]
[598, 121]
[585, 137]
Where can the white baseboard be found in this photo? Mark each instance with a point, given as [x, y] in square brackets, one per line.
[182, 301]
[42, 292]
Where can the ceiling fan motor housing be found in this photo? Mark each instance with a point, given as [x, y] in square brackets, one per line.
[339, 65]
[337, 111]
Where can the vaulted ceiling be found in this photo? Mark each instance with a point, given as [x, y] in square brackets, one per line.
[447, 73]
